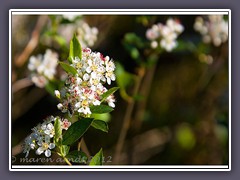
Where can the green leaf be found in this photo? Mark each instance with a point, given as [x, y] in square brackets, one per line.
[101, 125]
[97, 159]
[51, 86]
[103, 117]
[133, 39]
[68, 68]
[101, 109]
[76, 130]
[60, 40]
[75, 49]
[77, 157]
[124, 80]
[108, 93]
[57, 129]
[64, 150]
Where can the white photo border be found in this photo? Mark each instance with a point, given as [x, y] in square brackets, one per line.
[118, 12]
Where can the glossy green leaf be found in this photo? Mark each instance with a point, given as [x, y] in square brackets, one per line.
[108, 93]
[77, 157]
[97, 159]
[68, 68]
[57, 129]
[101, 109]
[101, 125]
[75, 49]
[76, 130]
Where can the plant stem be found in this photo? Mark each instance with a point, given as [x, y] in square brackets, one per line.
[127, 120]
[66, 160]
[144, 91]
[32, 44]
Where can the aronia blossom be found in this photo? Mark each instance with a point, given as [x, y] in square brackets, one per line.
[41, 138]
[86, 88]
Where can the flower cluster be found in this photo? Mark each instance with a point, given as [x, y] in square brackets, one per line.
[41, 138]
[43, 67]
[165, 35]
[86, 88]
[86, 35]
[213, 28]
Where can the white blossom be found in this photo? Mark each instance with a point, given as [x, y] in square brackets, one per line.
[86, 35]
[57, 94]
[45, 146]
[41, 138]
[43, 67]
[213, 28]
[165, 36]
[85, 89]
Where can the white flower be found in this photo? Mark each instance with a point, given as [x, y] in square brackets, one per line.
[41, 138]
[111, 101]
[85, 89]
[39, 81]
[154, 44]
[29, 143]
[85, 110]
[48, 129]
[65, 124]
[213, 28]
[34, 62]
[45, 147]
[168, 44]
[165, 36]
[43, 67]
[86, 35]
[57, 94]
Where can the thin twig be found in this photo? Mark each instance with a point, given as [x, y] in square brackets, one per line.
[79, 144]
[20, 84]
[67, 161]
[17, 149]
[32, 44]
[144, 91]
[126, 121]
[85, 148]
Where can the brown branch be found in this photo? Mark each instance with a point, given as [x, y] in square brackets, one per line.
[144, 91]
[127, 120]
[85, 148]
[20, 84]
[32, 44]
[17, 149]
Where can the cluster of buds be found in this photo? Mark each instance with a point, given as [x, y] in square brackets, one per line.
[43, 67]
[213, 28]
[86, 88]
[165, 36]
[41, 138]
